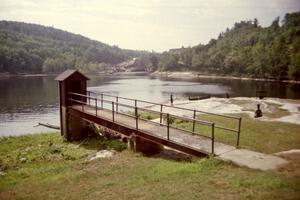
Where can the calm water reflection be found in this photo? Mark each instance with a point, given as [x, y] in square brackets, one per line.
[25, 101]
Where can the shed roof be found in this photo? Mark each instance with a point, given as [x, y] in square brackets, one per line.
[69, 72]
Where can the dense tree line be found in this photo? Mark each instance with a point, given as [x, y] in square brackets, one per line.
[33, 48]
[245, 49]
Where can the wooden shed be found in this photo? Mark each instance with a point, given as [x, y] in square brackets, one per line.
[70, 81]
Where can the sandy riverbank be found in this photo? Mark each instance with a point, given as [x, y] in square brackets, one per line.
[195, 75]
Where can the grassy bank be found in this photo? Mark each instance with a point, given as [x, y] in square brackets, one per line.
[46, 167]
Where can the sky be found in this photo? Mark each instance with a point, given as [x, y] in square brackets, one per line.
[156, 25]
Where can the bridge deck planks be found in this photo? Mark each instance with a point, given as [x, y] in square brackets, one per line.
[178, 139]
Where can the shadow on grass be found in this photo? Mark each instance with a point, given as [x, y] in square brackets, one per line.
[174, 155]
[100, 143]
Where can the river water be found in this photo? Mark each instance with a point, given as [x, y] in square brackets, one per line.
[26, 101]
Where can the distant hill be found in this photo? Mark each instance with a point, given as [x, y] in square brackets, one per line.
[245, 49]
[32, 48]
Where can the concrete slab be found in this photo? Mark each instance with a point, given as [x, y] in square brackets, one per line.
[253, 160]
[289, 152]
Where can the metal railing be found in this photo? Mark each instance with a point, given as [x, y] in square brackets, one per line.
[102, 104]
[194, 113]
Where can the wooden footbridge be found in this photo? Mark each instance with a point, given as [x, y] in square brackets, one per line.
[125, 115]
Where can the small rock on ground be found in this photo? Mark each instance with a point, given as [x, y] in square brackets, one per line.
[103, 154]
[253, 160]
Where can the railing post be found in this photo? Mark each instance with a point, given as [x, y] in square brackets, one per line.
[135, 103]
[102, 100]
[213, 139]
[113, 111]
[96, 106]
[160, 115]
[239, 132]
[70, 95]
[168, 126]
[194, 117]
[89, 96]
[82, 105]
[136, 118]
[117, 99]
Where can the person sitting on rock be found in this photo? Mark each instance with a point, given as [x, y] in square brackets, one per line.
[258, 112]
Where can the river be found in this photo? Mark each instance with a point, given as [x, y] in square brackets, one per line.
[26, 101]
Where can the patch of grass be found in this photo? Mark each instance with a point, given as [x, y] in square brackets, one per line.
[25, 150]
[148, 116]
[262, 136]
[128, 175]
[278, 114]
[144, 115]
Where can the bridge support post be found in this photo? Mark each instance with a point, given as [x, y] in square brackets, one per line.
[147, 147]
[76, 128]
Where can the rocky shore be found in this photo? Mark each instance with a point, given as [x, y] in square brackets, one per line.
[196, 75]
[273, 109]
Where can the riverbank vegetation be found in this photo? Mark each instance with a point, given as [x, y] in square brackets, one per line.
[43, 166]
[245, 49]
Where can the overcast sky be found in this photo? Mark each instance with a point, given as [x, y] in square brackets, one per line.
[146, 24]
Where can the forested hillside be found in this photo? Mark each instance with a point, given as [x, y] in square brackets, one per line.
[246, 49]
[33, 48]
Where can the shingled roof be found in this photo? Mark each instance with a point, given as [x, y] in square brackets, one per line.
[69, 72]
